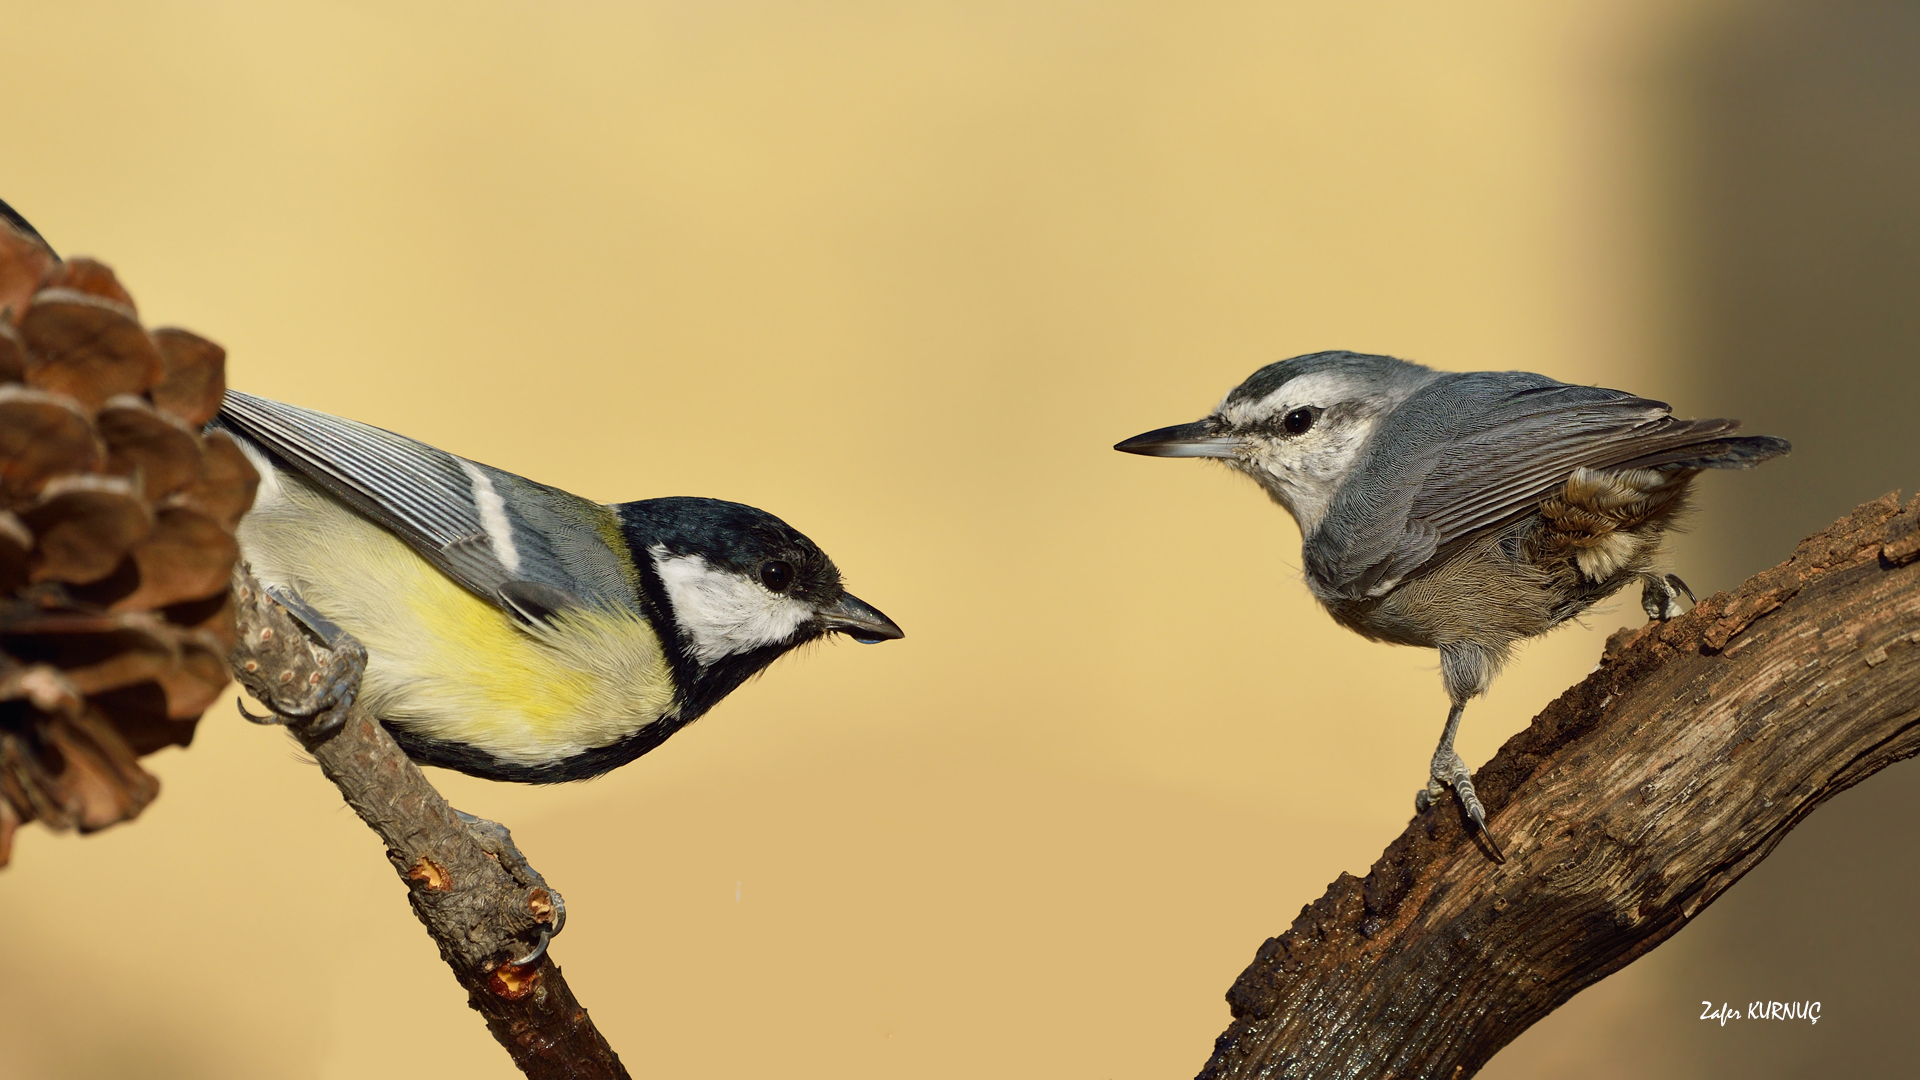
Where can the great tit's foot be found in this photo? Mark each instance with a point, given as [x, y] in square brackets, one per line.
[319, 664]
[1451, 772]
[542, 900]
[1660, 595]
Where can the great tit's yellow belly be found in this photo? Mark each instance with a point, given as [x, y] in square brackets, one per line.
[444, 663]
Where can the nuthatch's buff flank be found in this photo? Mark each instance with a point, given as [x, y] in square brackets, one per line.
[514, 631]
[1462, 512]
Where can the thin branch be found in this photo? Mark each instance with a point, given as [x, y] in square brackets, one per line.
[483, 908]
[1627, 807]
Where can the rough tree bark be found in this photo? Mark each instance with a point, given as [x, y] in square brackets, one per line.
[1627, 807]
[484, 908]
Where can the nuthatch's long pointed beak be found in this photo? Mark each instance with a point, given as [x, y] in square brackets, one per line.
[860, 621]
[1198, 439]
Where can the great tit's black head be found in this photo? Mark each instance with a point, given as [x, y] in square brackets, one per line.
[1296, 426]
[740, 584]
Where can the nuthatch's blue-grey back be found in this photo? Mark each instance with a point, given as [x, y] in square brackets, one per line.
[1462, 512]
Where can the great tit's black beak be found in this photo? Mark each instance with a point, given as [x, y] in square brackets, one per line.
[1202, 438]
[860, 621]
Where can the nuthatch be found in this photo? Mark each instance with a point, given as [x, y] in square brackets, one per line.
[1462, 512]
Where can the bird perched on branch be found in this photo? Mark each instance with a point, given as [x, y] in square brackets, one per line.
[1462, 512]
[514, 631]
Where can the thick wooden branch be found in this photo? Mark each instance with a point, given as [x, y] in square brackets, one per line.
[483, 908]
[1627, 807]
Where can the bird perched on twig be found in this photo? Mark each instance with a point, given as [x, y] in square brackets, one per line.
[514, 631]
[1462, 512]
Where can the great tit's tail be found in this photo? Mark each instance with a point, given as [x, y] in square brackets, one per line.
[26, 228]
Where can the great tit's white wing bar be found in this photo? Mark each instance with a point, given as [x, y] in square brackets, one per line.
[1479, 451]
[485, 528]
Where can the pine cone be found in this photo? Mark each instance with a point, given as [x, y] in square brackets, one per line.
[116, 540]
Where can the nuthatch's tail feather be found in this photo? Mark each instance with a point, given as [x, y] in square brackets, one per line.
[1739, 452]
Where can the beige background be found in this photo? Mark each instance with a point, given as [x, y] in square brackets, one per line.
[901, 273]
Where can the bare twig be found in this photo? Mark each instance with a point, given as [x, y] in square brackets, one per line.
[1628, 806]
[483, 910]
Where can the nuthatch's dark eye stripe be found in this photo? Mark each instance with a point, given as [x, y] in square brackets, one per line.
[1295, 421]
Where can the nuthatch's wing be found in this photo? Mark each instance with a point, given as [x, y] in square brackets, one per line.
[527, 548]
[1478, 451]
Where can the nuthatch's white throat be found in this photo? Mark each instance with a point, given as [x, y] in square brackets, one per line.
[1462, 512]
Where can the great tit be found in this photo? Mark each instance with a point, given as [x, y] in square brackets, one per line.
[1462, 512]
[514, 631]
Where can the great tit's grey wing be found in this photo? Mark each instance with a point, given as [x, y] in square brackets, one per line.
[1478, 451]
[529, 548]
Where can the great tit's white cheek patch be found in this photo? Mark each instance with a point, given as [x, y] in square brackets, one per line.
[724, 612]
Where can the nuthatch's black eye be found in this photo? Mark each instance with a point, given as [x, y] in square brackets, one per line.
[776, 575]
[1298, 421]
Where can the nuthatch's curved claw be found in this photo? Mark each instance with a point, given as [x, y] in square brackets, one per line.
[1674, 580]
[1660, 595]
[1451, 772]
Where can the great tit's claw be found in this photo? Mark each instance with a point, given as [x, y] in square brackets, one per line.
[319, 677]
[539, 950]
[261, 718]
[495, 839]
[325, 705]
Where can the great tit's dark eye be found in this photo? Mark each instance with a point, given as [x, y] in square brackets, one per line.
[1298, 421]
[776, 575]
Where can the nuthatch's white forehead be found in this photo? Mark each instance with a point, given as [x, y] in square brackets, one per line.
[1323, 380]
[1319, 389]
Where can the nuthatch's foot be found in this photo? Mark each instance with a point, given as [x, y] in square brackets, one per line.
[1660, 595]
[496, 841]
[333, 661]
[1451, 772]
